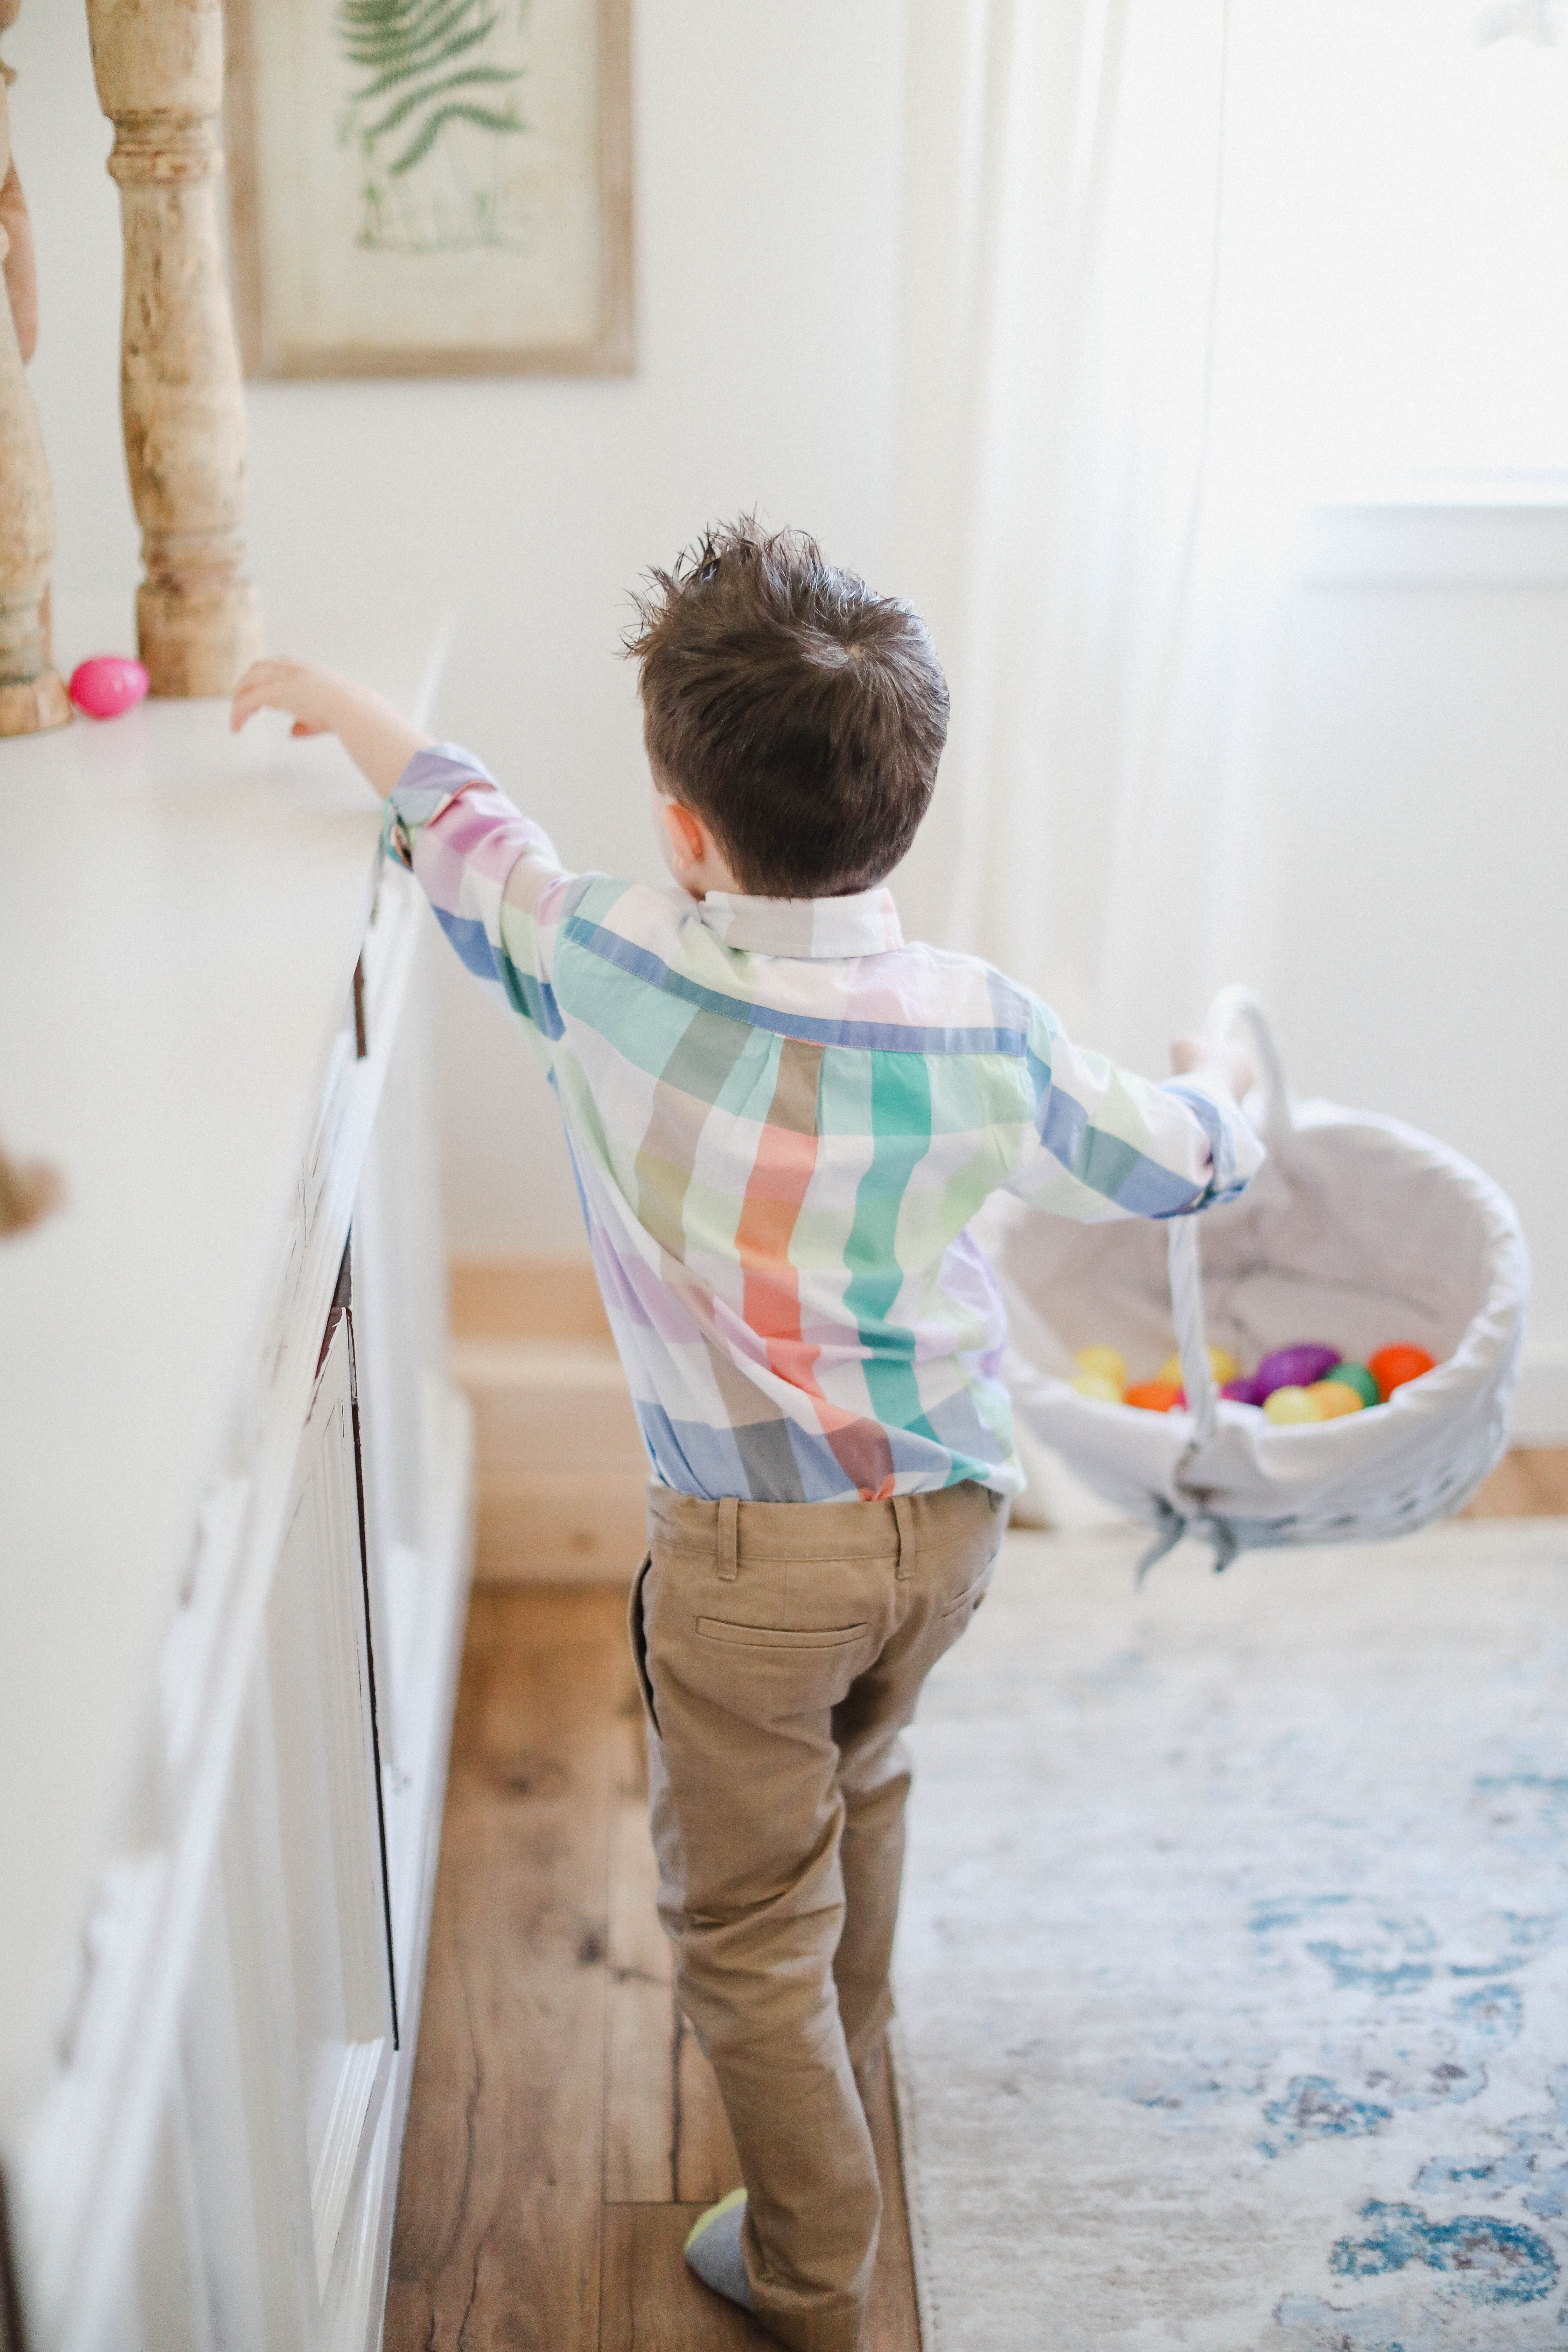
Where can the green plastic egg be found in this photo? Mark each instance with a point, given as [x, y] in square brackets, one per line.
[1357, 1377]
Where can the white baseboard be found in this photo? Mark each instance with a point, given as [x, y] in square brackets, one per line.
[1540, 1414]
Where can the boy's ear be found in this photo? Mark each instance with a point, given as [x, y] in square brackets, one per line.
[688, 834]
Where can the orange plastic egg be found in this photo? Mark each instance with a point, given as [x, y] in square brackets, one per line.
[1333, 1399]
[1392, 1366]
[1151, 1396]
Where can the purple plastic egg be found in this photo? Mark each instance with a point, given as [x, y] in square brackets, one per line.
[1293, 1368]
[1241, 1392]
[106, 685]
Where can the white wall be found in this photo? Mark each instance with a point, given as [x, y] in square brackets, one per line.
[767, 188]
[1422, 840]
[1422, 964]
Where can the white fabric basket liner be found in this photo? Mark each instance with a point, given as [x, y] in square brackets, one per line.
[1357, 1232]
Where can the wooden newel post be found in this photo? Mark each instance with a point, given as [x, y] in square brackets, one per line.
[31, 695]
[159, 69]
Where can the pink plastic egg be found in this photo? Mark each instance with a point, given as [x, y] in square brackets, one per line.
[1292, 1368]
[1241, 1392]
[106, 685]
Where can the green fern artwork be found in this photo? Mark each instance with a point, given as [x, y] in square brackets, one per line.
[432, 121]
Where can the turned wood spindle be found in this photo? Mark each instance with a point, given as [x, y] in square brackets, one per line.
[31, 694]
[158, 65]
[29, 1190]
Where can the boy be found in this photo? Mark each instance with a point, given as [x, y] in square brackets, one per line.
[782, 1120]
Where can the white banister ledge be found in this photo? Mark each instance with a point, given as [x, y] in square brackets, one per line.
[181, 913]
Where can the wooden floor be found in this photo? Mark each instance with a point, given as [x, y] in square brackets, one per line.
[564, 2130]
[1525, 1485]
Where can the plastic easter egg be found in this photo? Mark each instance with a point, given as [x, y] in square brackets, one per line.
[1103, 1364]
[1357, 1377]
[1334, 1399]
[1392, 1366]
[1291, 1402]
[1241, 1392]
[1095, 1384]
[1293, 1368]
[1221, 1364]
[106, 685]
[1151, 1396]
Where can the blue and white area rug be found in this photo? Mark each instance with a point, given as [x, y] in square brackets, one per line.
[1233, 1973]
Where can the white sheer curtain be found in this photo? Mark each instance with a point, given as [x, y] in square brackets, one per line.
[1089, 507]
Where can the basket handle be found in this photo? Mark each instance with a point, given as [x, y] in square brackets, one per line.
[1239, 1007]
[1187, 1314]
[1234, 1008]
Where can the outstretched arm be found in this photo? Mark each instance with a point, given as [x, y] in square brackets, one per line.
[378, 738]
[1103, 1142]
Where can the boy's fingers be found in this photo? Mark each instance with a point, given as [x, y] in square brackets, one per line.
[247, 703]
[260, 688]
[278, 685]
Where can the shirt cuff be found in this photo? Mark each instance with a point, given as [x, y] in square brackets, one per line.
[1235, 1151]
[430, 782]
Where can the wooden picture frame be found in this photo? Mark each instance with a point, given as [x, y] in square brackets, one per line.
[463, 210]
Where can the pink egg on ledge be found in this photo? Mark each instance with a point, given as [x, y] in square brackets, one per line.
[106, 685]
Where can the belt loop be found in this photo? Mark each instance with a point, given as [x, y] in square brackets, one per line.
[728, 1538]
[903, 1520]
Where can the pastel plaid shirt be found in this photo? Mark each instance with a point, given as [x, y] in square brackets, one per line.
[782, 1120]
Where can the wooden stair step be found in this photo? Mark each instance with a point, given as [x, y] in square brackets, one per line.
[552, 1406]
[562, 1471]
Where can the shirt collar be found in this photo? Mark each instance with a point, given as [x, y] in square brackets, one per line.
[863, 923]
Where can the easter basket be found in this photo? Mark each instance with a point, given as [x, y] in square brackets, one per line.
[1356, 1230]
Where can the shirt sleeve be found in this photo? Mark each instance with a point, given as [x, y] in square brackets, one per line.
[491, 876]
[1103, 1142]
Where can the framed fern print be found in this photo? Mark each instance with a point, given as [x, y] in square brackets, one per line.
[426, 187]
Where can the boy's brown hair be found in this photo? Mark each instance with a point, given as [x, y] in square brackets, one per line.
[800, 716]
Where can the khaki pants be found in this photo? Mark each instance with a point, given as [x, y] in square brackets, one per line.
[782, 1647]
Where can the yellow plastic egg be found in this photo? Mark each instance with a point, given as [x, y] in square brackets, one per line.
[1095, 1384]
[1287, 1405]
[1102, 1364]
[1221, 1364]
[1333, 1399]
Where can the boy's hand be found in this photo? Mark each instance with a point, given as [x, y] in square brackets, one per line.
[311, 697]
[378, 738]
[1229, 1067]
